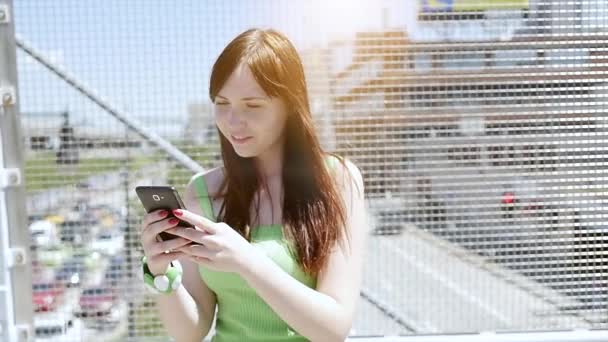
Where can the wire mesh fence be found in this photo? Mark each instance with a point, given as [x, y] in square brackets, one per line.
[480, 128]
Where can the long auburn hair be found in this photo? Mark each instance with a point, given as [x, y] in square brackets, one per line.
[313, 210]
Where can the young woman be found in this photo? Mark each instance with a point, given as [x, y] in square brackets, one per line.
[280, 228]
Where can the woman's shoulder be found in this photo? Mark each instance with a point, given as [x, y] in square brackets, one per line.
[211, 178]
[344, 171]
[341, 165]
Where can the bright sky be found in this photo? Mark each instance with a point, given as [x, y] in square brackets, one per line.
[152, 58]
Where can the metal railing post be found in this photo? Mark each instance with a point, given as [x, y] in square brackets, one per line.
[16, 309]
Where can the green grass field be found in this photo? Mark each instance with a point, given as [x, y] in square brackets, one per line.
[42, 171]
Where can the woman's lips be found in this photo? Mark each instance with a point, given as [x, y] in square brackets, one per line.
[240, 139]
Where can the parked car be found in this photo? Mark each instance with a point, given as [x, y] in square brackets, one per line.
[47, 295]
[109, 242]
[115, 271]
[72, 232]
[51, 256]
[72, 272]
[44, 233]
[97, 301]
[46, 325]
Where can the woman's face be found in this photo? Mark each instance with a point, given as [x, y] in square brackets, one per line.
[247, 117]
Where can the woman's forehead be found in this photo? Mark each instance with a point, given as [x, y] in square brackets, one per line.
[242, 84]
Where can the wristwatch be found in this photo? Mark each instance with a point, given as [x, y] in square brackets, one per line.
[162, 283]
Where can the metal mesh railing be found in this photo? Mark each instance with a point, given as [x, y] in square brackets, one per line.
[480, 128]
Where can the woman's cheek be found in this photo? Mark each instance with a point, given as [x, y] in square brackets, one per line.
[220, 119]
[222, 128]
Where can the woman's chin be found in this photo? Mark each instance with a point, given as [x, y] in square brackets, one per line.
[244, 153]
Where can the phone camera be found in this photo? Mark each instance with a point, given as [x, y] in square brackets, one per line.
[156, 197]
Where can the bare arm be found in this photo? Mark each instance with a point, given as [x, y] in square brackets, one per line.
[188, 313]
[324, 314]
[188, 317]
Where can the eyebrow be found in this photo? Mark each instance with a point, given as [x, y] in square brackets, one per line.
[246, 98]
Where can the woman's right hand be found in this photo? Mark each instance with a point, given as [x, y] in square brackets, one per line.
[155, 251]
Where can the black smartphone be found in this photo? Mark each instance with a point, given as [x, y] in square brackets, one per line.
[161, 197]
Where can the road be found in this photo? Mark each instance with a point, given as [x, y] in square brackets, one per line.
[429, 285]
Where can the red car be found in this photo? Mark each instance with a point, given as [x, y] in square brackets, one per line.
[97, 302]
[47, 295]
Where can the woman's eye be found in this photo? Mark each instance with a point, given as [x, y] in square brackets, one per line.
[221, 103]
[253, 105]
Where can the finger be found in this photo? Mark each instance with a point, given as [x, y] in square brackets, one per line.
[166, 257]
[208, 241]
[149, 234]
[208, 263]
[154, 216]
[198, 251]
[193, 234]
[211, 241]
[169, 245]
[196, 220]
[202, 261]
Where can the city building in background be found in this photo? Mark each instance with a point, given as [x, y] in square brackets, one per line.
[475, 124]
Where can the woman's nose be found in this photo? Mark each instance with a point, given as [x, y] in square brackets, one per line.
[234, 119]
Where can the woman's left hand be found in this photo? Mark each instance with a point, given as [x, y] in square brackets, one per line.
[216, 246]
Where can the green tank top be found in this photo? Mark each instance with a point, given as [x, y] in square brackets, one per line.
[241, 314]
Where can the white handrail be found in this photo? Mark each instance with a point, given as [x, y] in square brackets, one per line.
[545, 336]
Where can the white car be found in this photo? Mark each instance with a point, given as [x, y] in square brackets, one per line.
[109, 242]
[44, 233]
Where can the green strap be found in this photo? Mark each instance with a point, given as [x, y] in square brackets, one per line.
[331, 162]
[203, 195]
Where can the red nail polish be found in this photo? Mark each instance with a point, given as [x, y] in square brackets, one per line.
[173, 221]
[177, 212]
[163, 213]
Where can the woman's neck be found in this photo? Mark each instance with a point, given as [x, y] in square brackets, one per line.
[270, 164]
[269, 195]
